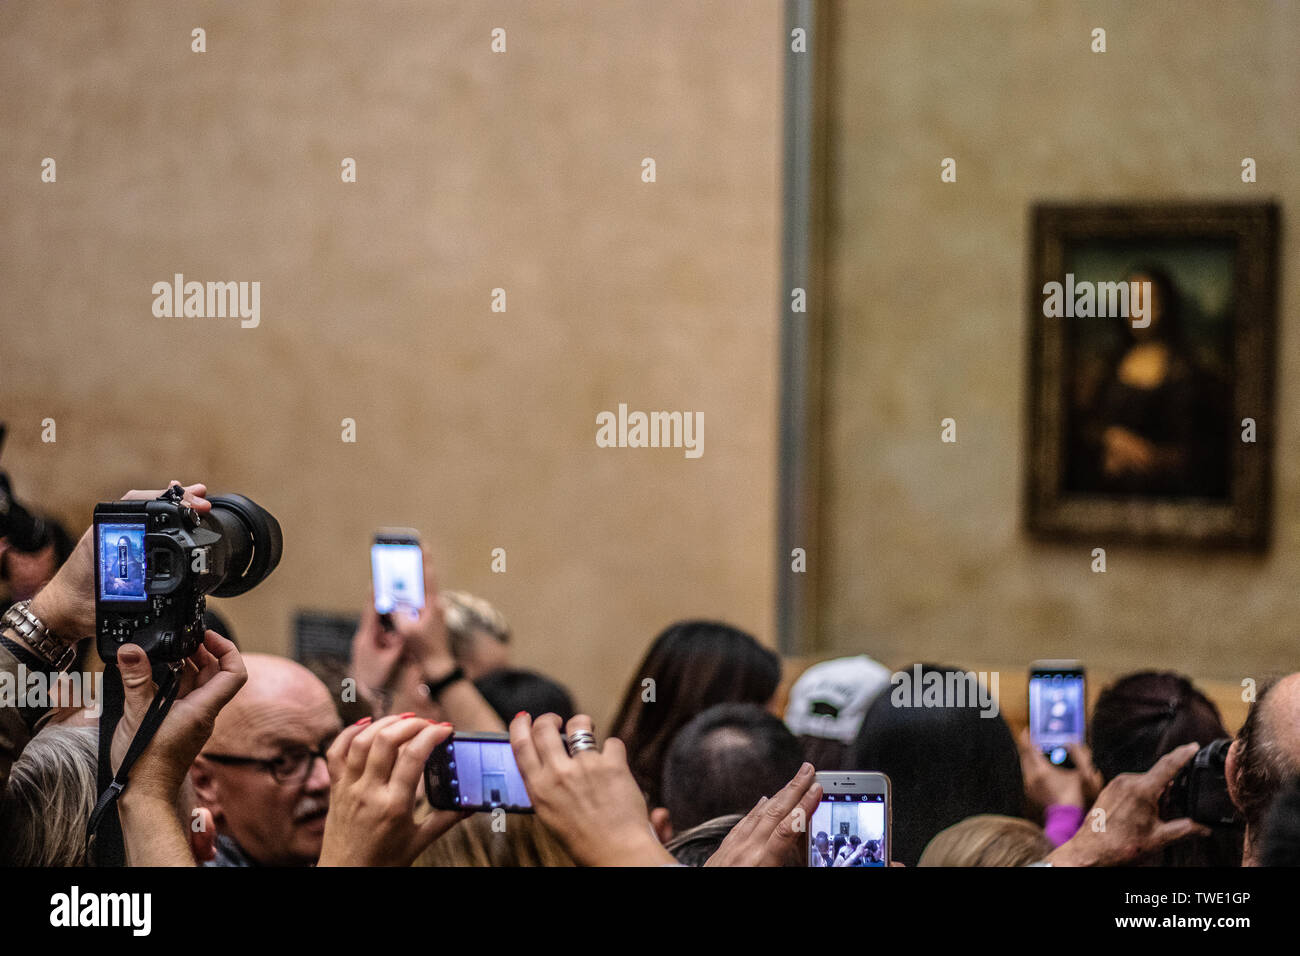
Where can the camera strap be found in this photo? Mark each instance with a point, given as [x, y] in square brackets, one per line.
[105, 828]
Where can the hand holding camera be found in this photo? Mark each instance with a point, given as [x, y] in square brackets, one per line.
[66, 606]
[147, 565]
[210, 679]
[1130, 826]
[156, 560]
[1200, 790]
[153, 834]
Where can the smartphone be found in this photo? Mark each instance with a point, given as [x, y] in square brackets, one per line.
[475, 771]
[1057, 705]
[397, 569]
[852, 825]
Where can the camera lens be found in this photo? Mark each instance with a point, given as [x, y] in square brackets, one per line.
[252, 535]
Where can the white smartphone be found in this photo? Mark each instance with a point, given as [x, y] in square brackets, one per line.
[397, 568]
[1057, 708]
[852, 825]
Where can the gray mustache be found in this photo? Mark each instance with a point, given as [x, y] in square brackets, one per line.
[309, 806]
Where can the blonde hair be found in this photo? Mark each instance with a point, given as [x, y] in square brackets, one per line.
[465, 614]
[987, 840]
[47, 801]
[473, 842]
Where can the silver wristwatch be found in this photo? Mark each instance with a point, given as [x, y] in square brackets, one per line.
[38, 637]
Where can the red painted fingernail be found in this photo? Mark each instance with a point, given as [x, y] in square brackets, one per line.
[362, 722]
[444, 723]
[409, 713]
[520, 714]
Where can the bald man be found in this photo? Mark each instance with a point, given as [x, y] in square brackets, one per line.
[262, 774]
[1264, 757]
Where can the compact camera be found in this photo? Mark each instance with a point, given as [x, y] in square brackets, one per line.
[155, 562]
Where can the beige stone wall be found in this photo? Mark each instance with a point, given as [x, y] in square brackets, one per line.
[476, 171]
[522, 171]
[925, 554]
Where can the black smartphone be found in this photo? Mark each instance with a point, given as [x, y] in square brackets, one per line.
[1057, 708]
[475, 771]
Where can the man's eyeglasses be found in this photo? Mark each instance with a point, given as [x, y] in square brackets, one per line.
[293, 766]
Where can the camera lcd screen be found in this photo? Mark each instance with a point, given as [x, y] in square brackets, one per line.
[484, 774]
[121, 562]
[1056, 712]
[848, 829]
[399, 577]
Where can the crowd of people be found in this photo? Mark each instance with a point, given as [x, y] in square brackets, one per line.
[263, 761]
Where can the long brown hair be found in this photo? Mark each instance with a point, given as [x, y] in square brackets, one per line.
[691, 666]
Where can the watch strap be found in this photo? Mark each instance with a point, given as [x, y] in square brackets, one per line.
[436, 687]
[24, 655]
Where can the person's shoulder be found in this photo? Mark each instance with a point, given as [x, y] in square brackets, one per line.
[228, 853]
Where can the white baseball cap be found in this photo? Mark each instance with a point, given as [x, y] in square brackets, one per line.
[831, 698]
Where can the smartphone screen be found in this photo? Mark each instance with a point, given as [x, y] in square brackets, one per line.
[847, 828]
[1056, 710]
[121, 560]
[475, 772]
[397, 567]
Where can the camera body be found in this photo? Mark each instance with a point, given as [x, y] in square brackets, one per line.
[156, 561]
[1200, 790]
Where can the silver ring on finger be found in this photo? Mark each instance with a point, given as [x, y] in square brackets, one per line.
[579, 741]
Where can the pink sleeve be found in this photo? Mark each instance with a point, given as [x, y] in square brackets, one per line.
[1061, 821]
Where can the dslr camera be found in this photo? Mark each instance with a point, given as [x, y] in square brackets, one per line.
[156, 561]
[1200, 790]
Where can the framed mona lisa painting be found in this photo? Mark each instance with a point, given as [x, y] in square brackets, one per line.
[1150, 411]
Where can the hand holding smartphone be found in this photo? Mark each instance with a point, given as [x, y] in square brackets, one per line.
[853, 822]
[1057, 708]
